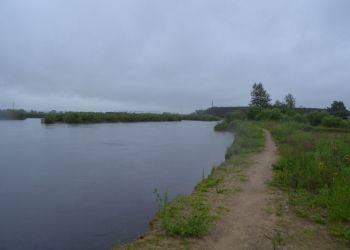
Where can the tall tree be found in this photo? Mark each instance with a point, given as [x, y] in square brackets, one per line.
[259, 96]
[290, 101]
[279, 104]
[338, 109]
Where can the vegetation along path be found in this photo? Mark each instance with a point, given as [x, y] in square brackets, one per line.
[246, 225]
[249, 210]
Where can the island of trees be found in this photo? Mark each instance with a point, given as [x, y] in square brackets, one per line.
[99, 117]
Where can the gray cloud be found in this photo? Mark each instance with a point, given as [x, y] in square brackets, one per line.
[157, 55]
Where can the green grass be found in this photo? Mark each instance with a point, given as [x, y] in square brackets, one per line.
[249, 138]
[186, 216]
[189, 216]
[208, 183]
[314, 168]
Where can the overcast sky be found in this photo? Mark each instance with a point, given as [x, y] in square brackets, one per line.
[175, 55]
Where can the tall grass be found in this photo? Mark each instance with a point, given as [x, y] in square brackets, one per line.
[315, 169]
[186, 216]
[249, 138]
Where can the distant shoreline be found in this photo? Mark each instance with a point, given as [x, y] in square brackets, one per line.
[111, 117]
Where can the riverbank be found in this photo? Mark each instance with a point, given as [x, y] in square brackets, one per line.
[176, 225]
[251, 202]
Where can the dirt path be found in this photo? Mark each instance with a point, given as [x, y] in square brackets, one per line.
[257, 217]
[247, 225]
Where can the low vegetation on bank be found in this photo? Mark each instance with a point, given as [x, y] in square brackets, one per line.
[101, 117]
[186, 218]
[314, 164]
[190, 216]
[98, 117]
[314, 168]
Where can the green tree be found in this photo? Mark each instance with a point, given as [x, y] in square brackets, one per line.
[338, 109]
[259, 96]
[280, 105]
[290, 101]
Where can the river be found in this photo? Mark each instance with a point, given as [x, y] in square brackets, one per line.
[91, 186]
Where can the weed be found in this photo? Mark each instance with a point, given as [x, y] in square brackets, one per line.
[315, 168]
[186, 216]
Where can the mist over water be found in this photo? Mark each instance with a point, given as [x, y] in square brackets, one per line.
[91, 186]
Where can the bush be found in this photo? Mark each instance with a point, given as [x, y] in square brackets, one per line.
[269, 114]
[315, 118]
[222, 126]
[333, 122]
[235, 115]
[300, 118]
[253, 113]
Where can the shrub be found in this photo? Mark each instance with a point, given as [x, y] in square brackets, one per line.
[270, 114]
[236, 115]
[222, 126]
[291, 112]
[333, 122]
[253, 112]
[338, 109]
[300, 118]
[315, 118]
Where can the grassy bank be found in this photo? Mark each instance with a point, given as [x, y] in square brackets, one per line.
[178, 223]
[99, 117]
[314, 169]
[314, 165]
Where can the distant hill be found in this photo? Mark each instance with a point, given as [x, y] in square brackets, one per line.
[222, 111]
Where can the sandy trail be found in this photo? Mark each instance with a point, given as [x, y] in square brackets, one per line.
[247, 225]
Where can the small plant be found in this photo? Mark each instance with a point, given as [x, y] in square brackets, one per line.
[161, 201]
[207, 184]
[186, 216]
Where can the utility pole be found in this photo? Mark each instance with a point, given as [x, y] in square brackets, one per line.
[13, 106]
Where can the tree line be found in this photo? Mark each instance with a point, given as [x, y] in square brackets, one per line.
[261, 98]
[261, 108]
[99, 117]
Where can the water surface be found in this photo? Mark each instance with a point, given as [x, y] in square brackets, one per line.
[91, 186]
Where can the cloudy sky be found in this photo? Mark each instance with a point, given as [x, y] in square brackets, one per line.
[176, 55]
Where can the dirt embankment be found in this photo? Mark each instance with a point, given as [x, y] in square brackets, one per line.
[256, 215]
[246, 225]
